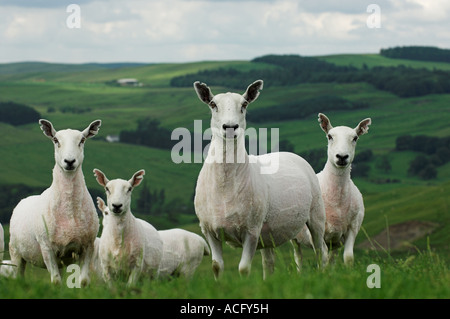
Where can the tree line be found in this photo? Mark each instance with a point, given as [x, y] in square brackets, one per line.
[420, 53]
[18, 114]
[435, 152]
[294, 69]
[303, 108]
[148, 133]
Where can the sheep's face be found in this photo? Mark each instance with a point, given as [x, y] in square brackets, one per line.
[118, 192]
[342, 140]
[228, 115]
[69, 144]
[228, 110]
[69, 149]
[341, 146]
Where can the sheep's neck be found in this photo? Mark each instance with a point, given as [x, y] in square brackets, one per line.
[120, 228]
[228, 161]
[337, 181]
[69, 190]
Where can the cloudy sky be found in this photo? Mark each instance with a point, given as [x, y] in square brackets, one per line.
[197, 30]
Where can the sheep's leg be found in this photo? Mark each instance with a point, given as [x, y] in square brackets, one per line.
[298, 257]
[216, 252]
[268, 261]
[248, 251]
[51, 263]
[134, 275]
[86, 258]
[348, 247]
[317, 230]
[20, 265]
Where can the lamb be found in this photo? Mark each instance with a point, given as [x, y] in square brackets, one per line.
[237, 201]
[128, 245]
[344, 204]
[182, 254]
[60, 225]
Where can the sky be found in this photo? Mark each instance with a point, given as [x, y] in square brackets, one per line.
[155, 31]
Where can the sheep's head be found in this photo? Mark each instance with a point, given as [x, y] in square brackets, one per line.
[118, 191]
[69, 144]
[228, 110]
[342, 140]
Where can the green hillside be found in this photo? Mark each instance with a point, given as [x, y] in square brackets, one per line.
[72, 96]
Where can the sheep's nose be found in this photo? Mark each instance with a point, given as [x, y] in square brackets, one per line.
[341, 157]
[69, 162]
[117, 206]
[226, 126]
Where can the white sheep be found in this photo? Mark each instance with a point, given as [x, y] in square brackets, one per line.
[343, 201]
[128, 246]
[182, 254]
[236, 202]
[60, 225]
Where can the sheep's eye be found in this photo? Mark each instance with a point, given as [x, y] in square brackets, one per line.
[244, 106]
[330, 138]
[83, 139]
[107, 189]
[130, 189]
[55, 140]
[355, 139]
[213, 105]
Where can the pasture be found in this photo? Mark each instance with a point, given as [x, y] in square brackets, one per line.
[418, 269]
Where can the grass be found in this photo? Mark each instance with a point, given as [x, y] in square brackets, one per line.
[420, 275]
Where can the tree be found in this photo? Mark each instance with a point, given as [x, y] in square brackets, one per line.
[383, 164]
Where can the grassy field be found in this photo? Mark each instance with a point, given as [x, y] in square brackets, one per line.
[418, 270]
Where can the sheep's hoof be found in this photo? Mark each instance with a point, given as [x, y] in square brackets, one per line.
[216, 269]
[244, 270]
[85, 282]
[56, 280]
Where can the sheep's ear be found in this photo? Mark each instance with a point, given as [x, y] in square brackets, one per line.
[101, 177]
[47, 128]
[204, 92]
[137, 178]
[252, 91]
[363, 127]
[101, 205]
[92, 129]
[324, 123]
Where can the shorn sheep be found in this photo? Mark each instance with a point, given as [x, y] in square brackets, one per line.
[235, 202]
[182, 254]
[343, 201]
[60, 225]
[128, 245]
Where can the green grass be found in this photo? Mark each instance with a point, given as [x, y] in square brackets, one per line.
[420, 275]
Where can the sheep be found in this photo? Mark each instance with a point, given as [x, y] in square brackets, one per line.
[239, 202]
[60, 225]
[128, 245]
[343, 201]
[182, 254]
